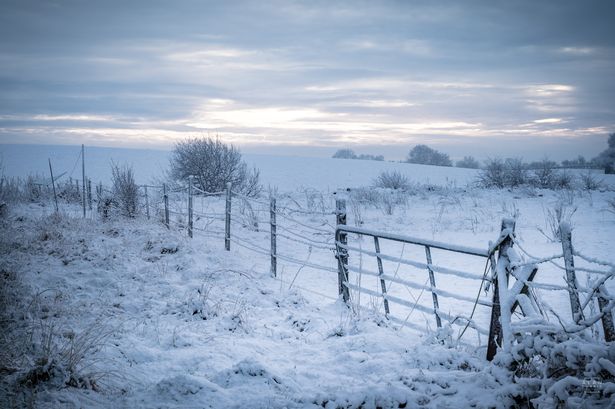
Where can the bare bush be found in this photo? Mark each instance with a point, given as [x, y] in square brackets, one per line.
[516, 173]
[213, 164]
[500, 173]
[365, 196]
[390, 199]
[589, 181]
[544, 173]
[392, 180]
[125, 190]
[554, 218]
[69, 191]
[493, 174]
[563, 180]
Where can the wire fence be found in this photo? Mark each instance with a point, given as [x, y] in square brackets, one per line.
[295, 237]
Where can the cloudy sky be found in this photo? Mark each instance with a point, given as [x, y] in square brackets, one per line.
[487, 78]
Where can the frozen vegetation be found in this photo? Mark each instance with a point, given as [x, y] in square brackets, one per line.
[123, 312]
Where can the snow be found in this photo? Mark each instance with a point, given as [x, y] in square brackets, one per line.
[168, 321]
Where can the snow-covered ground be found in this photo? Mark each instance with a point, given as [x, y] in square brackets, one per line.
[131, 314]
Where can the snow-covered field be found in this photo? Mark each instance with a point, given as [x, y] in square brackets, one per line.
[127, 313]
[285, 172]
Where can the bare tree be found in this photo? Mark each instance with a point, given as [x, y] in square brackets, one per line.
[213, 164]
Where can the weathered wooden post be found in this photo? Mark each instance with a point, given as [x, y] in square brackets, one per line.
[146, 202]
[341, 240]
[495, 327]
[190, 206]
[90, 194]
[53, 184]
[432, 281]
[273, 229]
[165, 197]
[83, 177]
[227, 225]
[607, 316]
[571, 278]
[383, 286]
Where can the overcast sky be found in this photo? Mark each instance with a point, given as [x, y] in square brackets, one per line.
[487, 78]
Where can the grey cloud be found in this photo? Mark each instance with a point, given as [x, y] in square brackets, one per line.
[154, 65]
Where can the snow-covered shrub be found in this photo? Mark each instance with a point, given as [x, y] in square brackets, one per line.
[543, 174]
[563, 180]
[512, 173]
[392, 180]
[125, 190]
[590, 181]
[555, 368]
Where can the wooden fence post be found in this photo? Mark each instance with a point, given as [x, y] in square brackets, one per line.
[83, 178]
[341, 239]
[146, 202]
[53, 184]
[227, 225]
[165, 197]
[273, 230]
[571, 278]
[432, 281]
[383, 286]
[607, 317]
[190, 206]
[90, 194]
[495, 327]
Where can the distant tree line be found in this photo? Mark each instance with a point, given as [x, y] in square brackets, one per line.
[425, 155]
